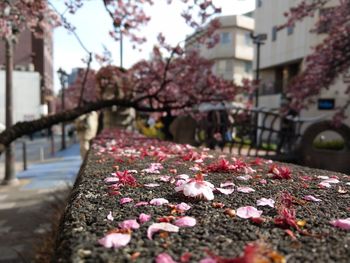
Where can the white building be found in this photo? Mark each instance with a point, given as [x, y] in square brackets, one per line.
[283, 56]
[233, 55]
[26, 96]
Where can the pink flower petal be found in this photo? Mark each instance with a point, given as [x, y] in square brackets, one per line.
[311, 198]
[342, 223]
[165, 178]
[208, 260]
[143, 218]
[226, 184]
[164, 258]
[225, 191]
[245, 189]
[183, 206]
[183, 176]
[126, 200]
[248, 212]
[180, 182]
[142, 203]
[159, 201]
[186, 221]
[244, 177]
[151, 185]
[111, 180]
[129, 224]
[110, 217]
[266, 202]
[263, 181]
[161, 227]
[115, 240]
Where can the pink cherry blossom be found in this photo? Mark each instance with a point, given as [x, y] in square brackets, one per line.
[161, 227]
[126, 200]
[245, 189]
[164, 258]
[159, 201]
[197, 187]
[153, 168]
[225, 191]
[183, 206]
[143, 218]
[342, 223]
[208, 260]
[129, 224]
[312, 198]
[115, 240]
[265, 202]
[185, 221]
[248, 212]
[110, 216]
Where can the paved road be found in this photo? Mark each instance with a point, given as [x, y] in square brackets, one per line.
[26, 209]
[38, 150]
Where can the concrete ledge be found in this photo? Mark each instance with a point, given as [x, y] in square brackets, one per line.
[218, 230]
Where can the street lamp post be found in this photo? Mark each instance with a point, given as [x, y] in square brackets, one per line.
[62, 75]
[258, 40]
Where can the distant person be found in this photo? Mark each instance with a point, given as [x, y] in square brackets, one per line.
[86, 126]
[183, 130]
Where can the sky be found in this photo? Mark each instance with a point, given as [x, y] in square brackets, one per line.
[93, 25]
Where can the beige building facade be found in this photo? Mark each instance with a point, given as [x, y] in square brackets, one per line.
[282, 57]
[233, 55]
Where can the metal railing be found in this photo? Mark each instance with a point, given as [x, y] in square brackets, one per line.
[251, 132]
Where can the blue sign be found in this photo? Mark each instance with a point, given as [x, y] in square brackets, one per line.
[326, 104]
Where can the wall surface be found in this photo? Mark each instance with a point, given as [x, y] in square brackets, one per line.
[26, 96]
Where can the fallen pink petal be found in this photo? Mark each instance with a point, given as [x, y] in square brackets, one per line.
[245, 189]
[164, 258]
[312, 198]
[126, 200]
[183, 206]
[265, 202]
[159, 201]
[115, 240]
[227, 184]
[141, 203]
[143, 218]
[225, 191]
[248, 212]
[110, 216]
[185, 221]
[156, 227]
[341, 223]
[129, 224]
[152, 185]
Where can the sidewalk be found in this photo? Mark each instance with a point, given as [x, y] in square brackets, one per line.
[26, 209]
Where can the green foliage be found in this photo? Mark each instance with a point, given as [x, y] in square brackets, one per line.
[329, 145]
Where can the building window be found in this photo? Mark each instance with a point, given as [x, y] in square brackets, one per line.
[225, 38]
[258, 3]
[224, 68]
[290, 30]
[247, 39]
[325, 18]
[274, 33]
[248, 67]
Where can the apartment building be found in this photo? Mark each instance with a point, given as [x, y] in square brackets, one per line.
[34, 54]
[282, 57]
[233, 55]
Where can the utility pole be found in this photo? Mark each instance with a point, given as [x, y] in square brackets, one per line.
[63, 75]
[10, 175]
[121, 49]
